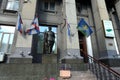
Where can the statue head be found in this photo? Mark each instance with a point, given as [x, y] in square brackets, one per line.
[50, 28]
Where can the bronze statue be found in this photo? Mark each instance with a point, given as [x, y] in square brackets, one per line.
[49, 40]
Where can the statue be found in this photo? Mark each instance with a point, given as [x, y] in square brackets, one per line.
[49, 40]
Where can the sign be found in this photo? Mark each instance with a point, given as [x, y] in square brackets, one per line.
[108, 27]
[65, 73]
[1, 56]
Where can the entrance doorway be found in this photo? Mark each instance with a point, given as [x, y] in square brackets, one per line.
[83, 47]
[38, 44]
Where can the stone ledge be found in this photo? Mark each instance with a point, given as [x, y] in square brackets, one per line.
[20, 60]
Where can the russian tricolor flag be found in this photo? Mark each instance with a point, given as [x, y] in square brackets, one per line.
[34, 27]
[19, 25]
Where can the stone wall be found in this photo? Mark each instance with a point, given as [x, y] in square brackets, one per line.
[35, 71]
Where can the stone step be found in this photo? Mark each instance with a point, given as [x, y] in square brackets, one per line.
[81, 75]
[30, 71]
[20, 60]
[27, 71]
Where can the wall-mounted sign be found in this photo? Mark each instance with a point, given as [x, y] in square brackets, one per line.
[65, 73]
[108, 27]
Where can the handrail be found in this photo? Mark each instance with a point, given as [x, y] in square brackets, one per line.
[102, 71]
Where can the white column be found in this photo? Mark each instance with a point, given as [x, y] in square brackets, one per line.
[72, 48]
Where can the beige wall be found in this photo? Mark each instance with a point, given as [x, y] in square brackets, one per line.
[102, 10]
[100, 13]
[117, 6]
[27, 14]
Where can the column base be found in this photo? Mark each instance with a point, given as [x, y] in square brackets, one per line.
[111, 62]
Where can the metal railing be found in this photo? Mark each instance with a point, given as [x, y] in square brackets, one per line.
[102, 71]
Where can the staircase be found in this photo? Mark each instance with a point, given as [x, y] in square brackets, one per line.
[79, 71]
[26, 71]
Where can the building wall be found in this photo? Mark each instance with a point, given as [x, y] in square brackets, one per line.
[72, 50]
[21, 43]
[116, 19]
[68, 47]
[24, 42]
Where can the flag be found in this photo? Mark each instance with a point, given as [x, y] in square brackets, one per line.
[68, 26]
[34, 29]
[84, 28]
[19, 25]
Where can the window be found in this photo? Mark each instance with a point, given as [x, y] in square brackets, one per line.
[82, 9]
[6, 38]
[49, 6]
[0, 3]
[13, 5]
[52, 6]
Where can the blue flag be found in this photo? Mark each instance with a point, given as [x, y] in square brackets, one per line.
[68, 26]
[84, 28]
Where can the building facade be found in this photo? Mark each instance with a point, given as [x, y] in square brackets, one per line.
[99, 14]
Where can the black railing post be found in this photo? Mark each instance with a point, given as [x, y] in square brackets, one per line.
[89, 63]
[96, 71]
[109, 75]
[104, 74]
[92, 66]
[100, 72]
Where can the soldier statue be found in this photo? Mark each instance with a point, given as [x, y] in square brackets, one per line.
[49, 39]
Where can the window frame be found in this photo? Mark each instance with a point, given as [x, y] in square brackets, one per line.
[4, 9]
[49, 6]
[13, 3]
[1, 3]
[9, 44]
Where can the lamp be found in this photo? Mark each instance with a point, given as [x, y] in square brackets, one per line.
[25, 1]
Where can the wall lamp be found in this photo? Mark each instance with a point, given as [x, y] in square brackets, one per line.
[26, 1]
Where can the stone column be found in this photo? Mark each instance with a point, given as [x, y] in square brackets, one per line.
[71, 49]
[106, 45]
[24, 43]
[117, 28]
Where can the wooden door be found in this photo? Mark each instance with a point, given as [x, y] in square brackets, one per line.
[83, 47]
